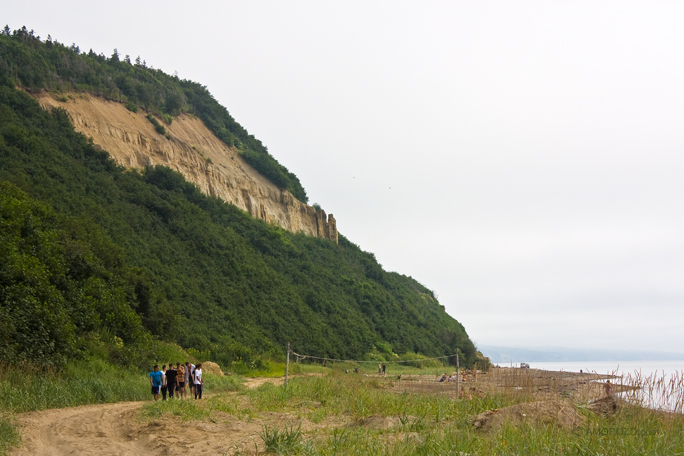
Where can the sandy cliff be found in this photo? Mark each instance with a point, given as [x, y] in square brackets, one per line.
[195, 152]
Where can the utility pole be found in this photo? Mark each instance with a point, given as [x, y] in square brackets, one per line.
[287, 363]
[458, 378]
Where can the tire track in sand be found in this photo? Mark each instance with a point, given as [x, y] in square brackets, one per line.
[87, 429]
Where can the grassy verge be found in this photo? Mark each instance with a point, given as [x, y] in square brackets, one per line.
[25, 389]
[423, 424]
[189, 409]
[371, 368]
[10, 436]
[84, 382]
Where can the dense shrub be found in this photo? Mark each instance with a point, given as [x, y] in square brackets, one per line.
[59, 280]
[159, 128]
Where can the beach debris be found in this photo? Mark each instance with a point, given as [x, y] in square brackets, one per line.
[559, 413]
[605, 406]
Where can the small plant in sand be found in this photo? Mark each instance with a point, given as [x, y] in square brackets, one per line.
[285, 441]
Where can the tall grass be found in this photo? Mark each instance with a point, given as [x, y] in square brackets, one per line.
[427, 424]
[9, 432]
[424, 424]
[24, 389]
[419, 366]
[27, 388]
[656, 391]
[433, 424]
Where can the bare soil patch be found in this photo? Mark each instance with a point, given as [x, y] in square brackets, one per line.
[107, 429]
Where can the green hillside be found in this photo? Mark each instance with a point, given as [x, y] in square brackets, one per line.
[48, 65]
[87, 246]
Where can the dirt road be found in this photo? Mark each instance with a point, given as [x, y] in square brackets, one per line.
[114, 429]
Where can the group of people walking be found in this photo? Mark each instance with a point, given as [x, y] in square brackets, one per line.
[176, 380]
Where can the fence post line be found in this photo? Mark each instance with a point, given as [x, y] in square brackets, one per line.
[287, 363]
[458, 378]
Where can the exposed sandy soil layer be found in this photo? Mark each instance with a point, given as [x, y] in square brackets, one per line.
[194, 151]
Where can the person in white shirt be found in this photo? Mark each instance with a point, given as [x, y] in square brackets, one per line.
[199, 381]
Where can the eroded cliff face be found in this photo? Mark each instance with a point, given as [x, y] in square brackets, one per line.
[193, 151]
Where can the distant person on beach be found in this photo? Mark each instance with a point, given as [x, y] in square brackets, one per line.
[383, 369]
[181, 379]
[199, 381]
[164, 386]
[379, 368]
[155, 382]
[609, 388]
[171, 380]
[189, 369]
[444, 377]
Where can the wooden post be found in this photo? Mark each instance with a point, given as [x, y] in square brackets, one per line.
[287, 363]
[458, 378]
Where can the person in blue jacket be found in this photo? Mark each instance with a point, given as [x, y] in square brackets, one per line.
[156, 381]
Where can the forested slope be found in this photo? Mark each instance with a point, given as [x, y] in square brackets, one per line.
[87, 246]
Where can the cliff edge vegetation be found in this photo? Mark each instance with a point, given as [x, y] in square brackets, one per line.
[34, 64]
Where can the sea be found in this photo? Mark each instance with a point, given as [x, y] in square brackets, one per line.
[646, 368]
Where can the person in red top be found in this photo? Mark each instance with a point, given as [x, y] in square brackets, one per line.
[180, 368]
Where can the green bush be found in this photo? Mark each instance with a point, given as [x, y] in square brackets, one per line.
[159, 128]
[59, 282]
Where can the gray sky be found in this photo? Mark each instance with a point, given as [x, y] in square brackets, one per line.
[525, 161]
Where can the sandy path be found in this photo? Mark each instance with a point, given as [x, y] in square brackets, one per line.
[113, 429]
[88, 429]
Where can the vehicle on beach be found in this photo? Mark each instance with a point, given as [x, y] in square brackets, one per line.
[524, 366]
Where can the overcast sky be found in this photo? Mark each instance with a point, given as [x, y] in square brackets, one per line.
[524, 160]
